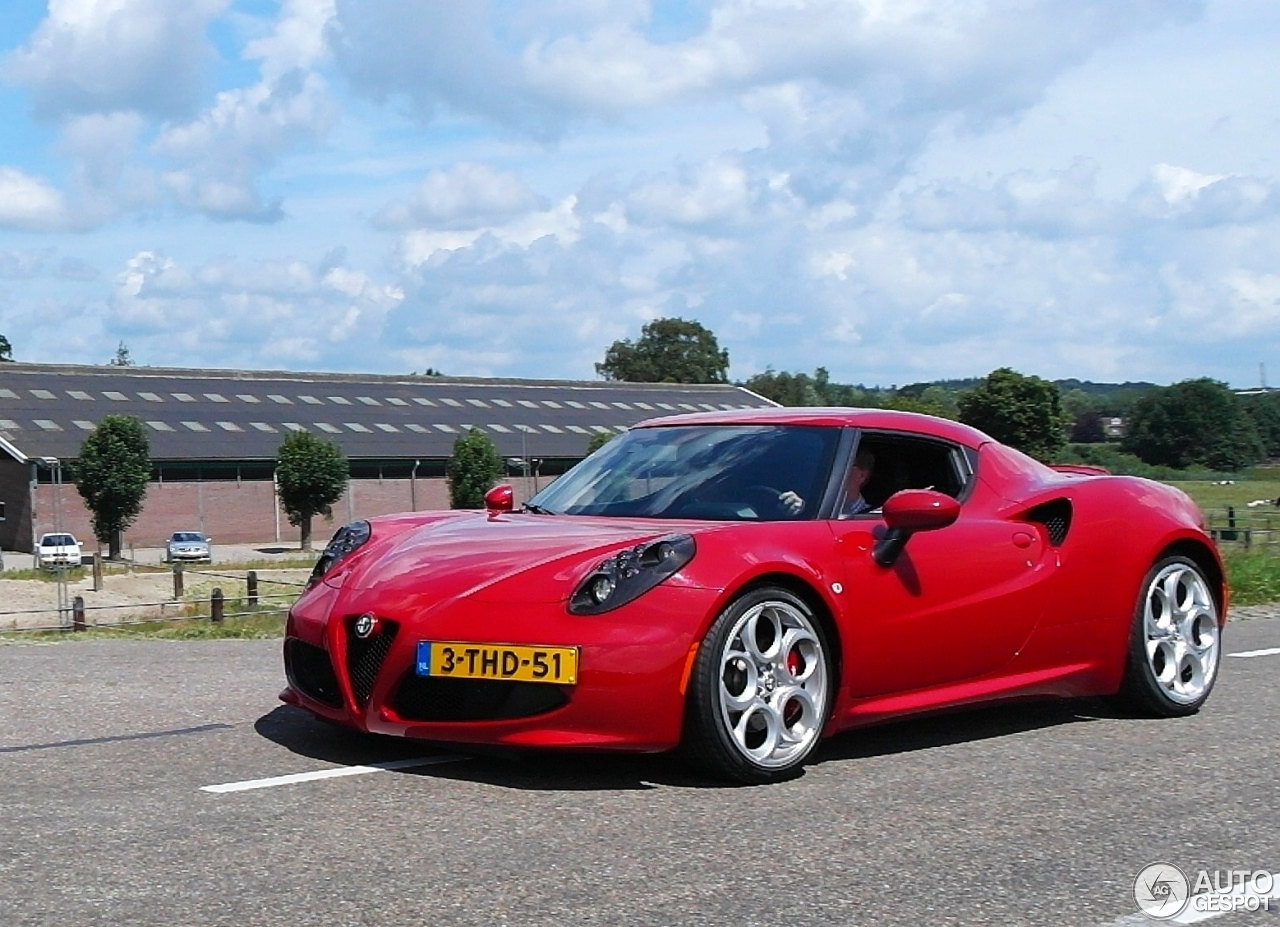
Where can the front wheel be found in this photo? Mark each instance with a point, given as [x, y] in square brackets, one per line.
[761, 689]
[1175, 645]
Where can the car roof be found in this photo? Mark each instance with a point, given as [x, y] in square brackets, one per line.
[834, 417]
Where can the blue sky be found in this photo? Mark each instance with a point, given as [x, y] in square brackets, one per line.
[897, 190]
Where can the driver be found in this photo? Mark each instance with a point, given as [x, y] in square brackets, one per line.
[863, 463]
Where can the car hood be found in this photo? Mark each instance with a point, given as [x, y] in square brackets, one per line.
[473, 555]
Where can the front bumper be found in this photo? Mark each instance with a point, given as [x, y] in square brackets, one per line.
[55, 560]
[189, 555]
[632, 671]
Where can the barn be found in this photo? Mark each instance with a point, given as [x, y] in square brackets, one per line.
[214, 436]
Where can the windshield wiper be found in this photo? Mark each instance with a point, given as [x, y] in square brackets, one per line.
[536, 509]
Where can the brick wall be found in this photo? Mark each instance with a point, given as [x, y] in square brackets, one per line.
[239, 513]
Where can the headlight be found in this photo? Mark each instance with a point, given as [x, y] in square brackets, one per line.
[345, 541]
[631, 573]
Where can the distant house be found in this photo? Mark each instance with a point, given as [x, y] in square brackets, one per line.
[1114, 427]
[214, 436]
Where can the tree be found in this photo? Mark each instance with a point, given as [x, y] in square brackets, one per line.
[122, 358]
[598, 440]
[1023, 412]
[801, 389]
[112, 474]
[667, 351]
[311, 475]
[474, 467]
[932, 400]
[1264, 409]
[1195, 423]
[6, 349]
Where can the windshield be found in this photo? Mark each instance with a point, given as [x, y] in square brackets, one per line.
[717, 472]
[187, 536]
[57, 540]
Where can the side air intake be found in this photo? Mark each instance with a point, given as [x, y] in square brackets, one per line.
[1056, 518]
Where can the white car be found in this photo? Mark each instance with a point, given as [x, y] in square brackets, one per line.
[187, 545]
[58, 550]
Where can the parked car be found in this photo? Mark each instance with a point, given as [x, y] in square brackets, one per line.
[58, 550]
[704, 582]
[187, 546]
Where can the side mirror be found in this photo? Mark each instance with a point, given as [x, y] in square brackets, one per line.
[907, 512]
[500, 499]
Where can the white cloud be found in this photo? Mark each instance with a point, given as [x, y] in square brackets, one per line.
[560, 223]
[465, 196]
[246, 130]
[716, 192]
[298, 40]
[102, 55]
[29, 204]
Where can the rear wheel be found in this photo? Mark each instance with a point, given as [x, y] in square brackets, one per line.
[761, 689]
[1175, 645]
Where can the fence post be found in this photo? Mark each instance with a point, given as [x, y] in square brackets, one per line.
[1231, 534]
[97, 571]
[215, 606]
[177, 579]
[251, 581]
[77, 613]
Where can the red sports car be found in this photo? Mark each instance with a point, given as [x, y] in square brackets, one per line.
[742, 584]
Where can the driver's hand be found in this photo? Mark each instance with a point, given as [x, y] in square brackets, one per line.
[791, 502]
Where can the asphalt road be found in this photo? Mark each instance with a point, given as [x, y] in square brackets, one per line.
[1031, 814]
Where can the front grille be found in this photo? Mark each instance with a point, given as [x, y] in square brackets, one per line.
[365, 656]
[311, 673]
[424, 698]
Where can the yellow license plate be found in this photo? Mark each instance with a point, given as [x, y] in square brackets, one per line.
[458, 660]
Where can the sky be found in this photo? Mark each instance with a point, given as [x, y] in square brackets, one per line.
[896, 190]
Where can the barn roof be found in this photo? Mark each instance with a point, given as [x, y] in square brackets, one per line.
[232, 415]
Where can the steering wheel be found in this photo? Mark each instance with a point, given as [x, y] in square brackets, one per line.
[764, 500]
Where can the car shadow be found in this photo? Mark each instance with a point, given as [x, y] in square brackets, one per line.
[548, 771]
[962, 725]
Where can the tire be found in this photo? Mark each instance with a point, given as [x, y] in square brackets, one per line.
[761, 689]
[1175, 645]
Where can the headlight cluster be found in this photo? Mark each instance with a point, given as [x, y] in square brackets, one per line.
[631, 573]
[345, 540]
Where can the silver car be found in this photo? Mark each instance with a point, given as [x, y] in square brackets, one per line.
[187, 545]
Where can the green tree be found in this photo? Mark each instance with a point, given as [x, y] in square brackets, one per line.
[1264, 409]
[473, 469]
[667, 351]
[122, 358]
[1023, 412]
[311, 475]
[801, 389]
[598, 440]
[1195, 423]
[112, 474]
[6, 349]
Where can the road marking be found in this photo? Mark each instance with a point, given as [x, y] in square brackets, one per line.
[1268, 652]
[337, 773]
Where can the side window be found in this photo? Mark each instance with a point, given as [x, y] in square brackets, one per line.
[899, 462]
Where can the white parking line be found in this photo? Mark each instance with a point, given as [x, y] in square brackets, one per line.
[1268, 652]
[330, 773]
